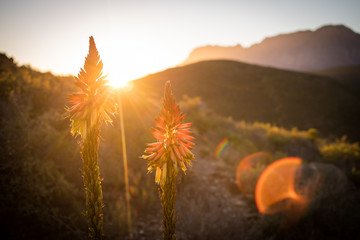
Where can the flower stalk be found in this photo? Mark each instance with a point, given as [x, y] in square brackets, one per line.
[171, 152]
[90, 107]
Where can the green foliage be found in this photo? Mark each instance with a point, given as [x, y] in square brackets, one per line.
[196, 109]
[39, 190]
[313, 134]
[246, 138]
[42, 188]
[341, 151]
[276, 137]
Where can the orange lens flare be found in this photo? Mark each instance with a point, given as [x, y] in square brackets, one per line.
[249, 170]
[275, 189]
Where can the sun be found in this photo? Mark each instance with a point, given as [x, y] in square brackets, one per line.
[126, 59]
[116, 79]
[117, 66]
[117, 74]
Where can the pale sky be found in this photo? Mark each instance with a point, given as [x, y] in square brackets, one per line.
[135, 38]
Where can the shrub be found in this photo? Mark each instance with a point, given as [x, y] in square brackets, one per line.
[341, 151]
[312, 134]
[276, 137]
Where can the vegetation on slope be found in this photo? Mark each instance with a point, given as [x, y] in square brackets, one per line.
[42, 196]
[254, 93]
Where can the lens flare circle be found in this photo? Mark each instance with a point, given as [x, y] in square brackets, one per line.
[277, 184]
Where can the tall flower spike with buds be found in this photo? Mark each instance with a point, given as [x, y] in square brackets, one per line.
[94, 101]
[171, 152]
[90, 106]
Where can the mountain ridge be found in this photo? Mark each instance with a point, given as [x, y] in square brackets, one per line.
[326, 47]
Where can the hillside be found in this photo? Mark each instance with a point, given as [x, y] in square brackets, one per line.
[326, 47]
[349, 75]
[41, 180]
[254, 93]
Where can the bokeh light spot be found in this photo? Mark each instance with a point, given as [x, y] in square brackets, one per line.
[275, 189]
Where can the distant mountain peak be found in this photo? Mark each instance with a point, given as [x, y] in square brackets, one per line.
[326, 47]
[338, 27]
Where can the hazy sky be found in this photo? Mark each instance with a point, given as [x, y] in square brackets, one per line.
[139, 37]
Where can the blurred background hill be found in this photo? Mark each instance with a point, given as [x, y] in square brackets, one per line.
[349, 75]
[255, 93]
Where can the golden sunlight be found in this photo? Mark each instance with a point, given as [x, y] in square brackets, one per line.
[122, 63]
[117, 76]
[118, 63]
[128, 58]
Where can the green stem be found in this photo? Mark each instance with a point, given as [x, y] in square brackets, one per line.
[92, 182]
[168, 198]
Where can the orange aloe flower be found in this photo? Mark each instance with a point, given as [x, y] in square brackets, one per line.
[90, 106]
[94, 101]
[174, 139]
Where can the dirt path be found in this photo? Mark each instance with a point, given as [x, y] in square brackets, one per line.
[209, 206]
